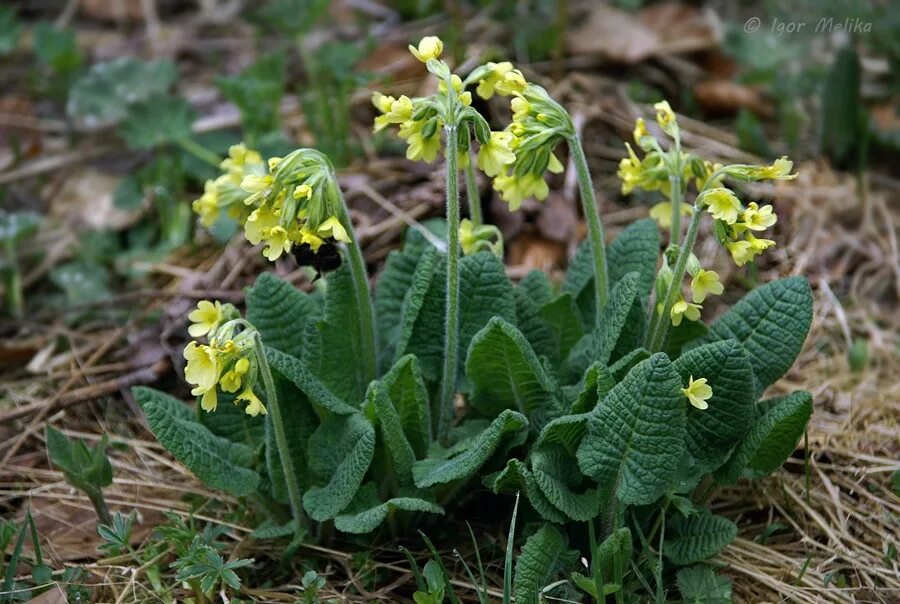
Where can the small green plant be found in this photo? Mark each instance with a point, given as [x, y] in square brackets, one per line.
[605, 401]
[14, 228]
[41, 574]
[85, 468]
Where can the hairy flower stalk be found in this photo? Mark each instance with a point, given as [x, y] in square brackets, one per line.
[472, 196]
[451, 331]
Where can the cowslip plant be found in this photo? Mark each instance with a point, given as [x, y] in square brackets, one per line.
[605, 401]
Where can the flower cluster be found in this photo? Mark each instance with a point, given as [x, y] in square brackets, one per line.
[516, 157]
[229, 362]
[281, 202]
[703, 283]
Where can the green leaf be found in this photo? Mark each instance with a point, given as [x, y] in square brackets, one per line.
[771, 439]
[711, 433]
[414, 297]
[466, 457]
[564, 322]
[10, 29]
[407, 392]
[231, 422]
[257, 92]
[538, 563]
[771, 322]
[300, 422]
[395, 281]
[339, 366]
[698, 537]
[516, 476]
[278, 310]
[636, 434]
[398, 446]
[56, 48]
[701, 585]
[367, 512]
[840, 131]
[506, 374]
[598, 345]
[157, 120]
[484, 292]
[15, 226]
[566, 431]
[295, 371]
[618, 543]
[339, 453]
[107, 90]
[217, 462]
[556, 474]
[536, 287]
[85, 468]
[531, 323]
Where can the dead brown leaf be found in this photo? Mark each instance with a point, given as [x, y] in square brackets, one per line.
[725, 97]
[558, 218]
[667, 28]
[55, 595]
[84, 200]
[528, 252]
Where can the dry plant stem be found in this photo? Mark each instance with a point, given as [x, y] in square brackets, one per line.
[451, 333]
[660, 327]
[287, 462]
[472, 196]
[361, 288]
[595, 227]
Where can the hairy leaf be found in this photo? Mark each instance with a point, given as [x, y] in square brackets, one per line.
[398, 446]
[556, 473]
[771, 438]
[712, 432]
[157, 120]
[105, 92]
[279, 312]
[531, 323]
[506, 374]
[295, 371]
[515, 477]
[598, 345]
[407, 392]
[697, 537]
[771, 322]
[566, 431]
[367, 512]
[618, 543]
[701, 585]
[466, 457]
[232, 422]
[339, 453]
[636, 434]
[217, 462]
[561, 316]
[538, 563]
[414, 297]
[536, 287]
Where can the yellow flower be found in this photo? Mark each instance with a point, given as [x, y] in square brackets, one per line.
[396, 111]
[779, 170]
[722, 204]
[662, 213]
[277, 243]
[665, 117]
[238, 157]
[202, 369]
[520, 108]
[467, 239]
[430, 47]
[209, 401]
[640, 131]
[273, 162]
[207, 206]
[758, 219]
[554, 165]
[254, 184]
[205, 318]
[260, 222]
[231, 380]
[302, 192]
[512, 82]
[698, 392]
[705, 282]
[486, 87]
[254, 405]
[333, 229]
[494, 155]
[746, 250]
[683, 308]
[421, 148]
[309, 237]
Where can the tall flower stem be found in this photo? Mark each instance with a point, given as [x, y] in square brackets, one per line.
[675, 198]
[451, 333]
[595, 227]
[287, 462]
[199, 151]
[659, 327]
[361, 289]
[472, 196]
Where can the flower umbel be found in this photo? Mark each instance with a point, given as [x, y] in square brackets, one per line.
[698, 392]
